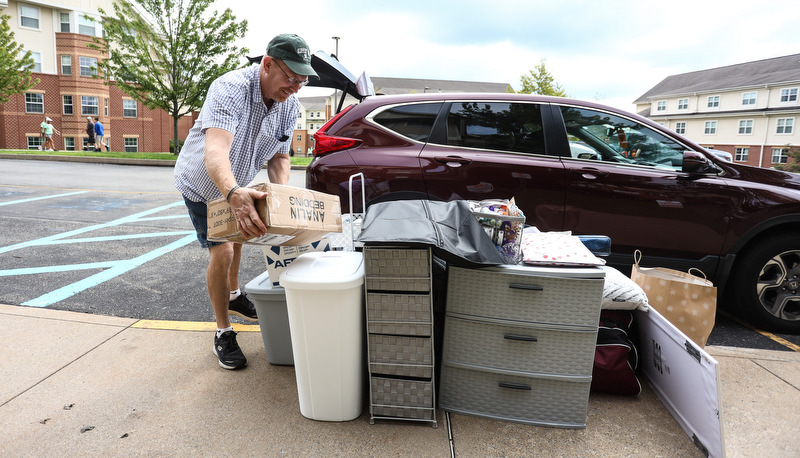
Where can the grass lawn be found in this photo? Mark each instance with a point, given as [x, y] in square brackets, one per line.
[162, 156]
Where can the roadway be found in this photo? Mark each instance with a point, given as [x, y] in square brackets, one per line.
[115, 240]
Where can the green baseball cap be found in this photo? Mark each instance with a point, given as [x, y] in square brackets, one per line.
[293, 51]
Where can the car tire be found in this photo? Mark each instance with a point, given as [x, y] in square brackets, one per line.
[765, 285]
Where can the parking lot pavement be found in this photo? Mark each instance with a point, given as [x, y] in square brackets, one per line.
[80, 384]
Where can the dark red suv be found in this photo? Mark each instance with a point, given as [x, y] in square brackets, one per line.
[586, 168]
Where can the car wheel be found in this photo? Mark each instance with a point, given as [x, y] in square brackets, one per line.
[766, 284]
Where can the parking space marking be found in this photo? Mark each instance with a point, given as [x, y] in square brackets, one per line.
[31, 199]
[112, 268]
[118, 268]
[128, 219]
[766, 334]
[191, 326]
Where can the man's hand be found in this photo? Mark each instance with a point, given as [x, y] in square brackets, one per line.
[248, 220]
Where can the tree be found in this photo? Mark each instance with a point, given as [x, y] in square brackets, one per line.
[15, 69]
[540, 82]
[165, 54]
[792, 152]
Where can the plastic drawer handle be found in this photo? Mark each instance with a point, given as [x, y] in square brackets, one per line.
[519, 337]
[514, 386]
[528, 287]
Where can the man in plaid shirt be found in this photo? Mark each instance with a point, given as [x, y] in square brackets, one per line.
[247, 120]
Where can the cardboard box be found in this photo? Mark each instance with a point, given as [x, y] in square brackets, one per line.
[293, 216]
[279, 257]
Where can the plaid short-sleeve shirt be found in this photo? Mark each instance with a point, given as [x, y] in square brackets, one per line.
[234, 103]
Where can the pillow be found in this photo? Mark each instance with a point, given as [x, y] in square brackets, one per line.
[556, 249]
[621, 293]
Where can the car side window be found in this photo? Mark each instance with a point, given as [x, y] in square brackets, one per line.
[414, 121]
[496, 126]
[603, 136]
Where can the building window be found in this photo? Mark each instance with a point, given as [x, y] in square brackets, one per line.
[680, 127]
[66, 103]
[299, 150]
[785, 126]
[35, 142]
[789, 95]
[711, 128]
[660, 106]
[86, 25]
[713, 101]
[90, 106]
[64, 19]
[29, 16]
[683, 104]
[749, 98]
[69, 143]
[741, 154]
[88, 66]
[105, 106]
[66, 64]
[34, 102]
[129, 108]
[780, 155]
[131, 145]
[299, 138]
[746, 127]
[37, 61]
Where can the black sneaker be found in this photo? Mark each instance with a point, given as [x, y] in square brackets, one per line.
[242, 307]
[228, 352]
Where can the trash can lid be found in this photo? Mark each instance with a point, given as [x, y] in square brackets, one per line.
[263, 285]
[325, 270]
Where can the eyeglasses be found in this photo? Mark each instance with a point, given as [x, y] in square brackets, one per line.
[291, 79]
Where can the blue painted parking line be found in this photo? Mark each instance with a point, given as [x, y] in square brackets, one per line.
[119, 268]
[110, 269]
[128, 219]
[114, 238]
[54, 269]
[31, 199]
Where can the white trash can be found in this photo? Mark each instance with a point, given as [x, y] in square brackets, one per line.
[325, 302]
[273, 318]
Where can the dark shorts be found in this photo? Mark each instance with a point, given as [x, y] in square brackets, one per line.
[198, 213]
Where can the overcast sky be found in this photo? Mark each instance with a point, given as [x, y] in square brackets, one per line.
[610, 51]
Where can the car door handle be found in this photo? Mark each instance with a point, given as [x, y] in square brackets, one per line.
[590, 173]
[452, 160]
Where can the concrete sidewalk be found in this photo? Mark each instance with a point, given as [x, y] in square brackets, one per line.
[73, 384]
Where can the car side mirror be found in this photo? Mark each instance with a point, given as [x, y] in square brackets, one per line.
[694, 162]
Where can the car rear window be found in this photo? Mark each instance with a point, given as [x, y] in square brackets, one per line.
[496, 125]
[414, 121]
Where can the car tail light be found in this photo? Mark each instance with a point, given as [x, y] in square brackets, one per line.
[324, 143]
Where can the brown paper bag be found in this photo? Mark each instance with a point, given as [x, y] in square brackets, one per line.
[687, 301]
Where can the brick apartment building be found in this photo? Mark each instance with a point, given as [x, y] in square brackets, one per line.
[58, 34]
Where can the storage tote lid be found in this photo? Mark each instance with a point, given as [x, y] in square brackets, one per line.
[263, 285]
[325, 270]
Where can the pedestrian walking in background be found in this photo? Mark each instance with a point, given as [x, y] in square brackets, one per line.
[47, 131]
[98, 135]
[90, 133]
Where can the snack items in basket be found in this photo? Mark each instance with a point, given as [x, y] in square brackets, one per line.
[503, 221]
